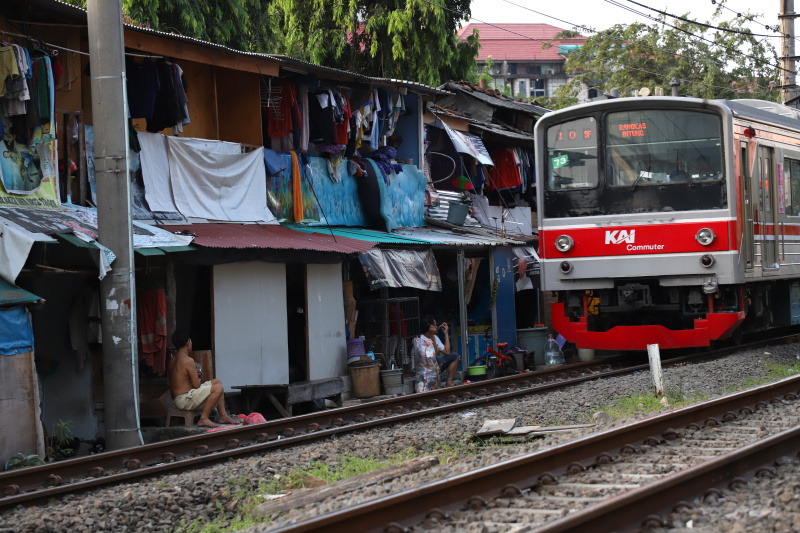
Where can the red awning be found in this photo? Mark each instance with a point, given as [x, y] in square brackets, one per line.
[249, 236]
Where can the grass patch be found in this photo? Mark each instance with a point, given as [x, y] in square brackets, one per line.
[644, 404]
[242, 499]
[775, 372]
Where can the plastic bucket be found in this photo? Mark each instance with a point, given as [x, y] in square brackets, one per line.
[392, 381]
[365, 380]
[457, 213]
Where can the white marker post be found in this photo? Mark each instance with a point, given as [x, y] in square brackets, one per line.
[654, 355]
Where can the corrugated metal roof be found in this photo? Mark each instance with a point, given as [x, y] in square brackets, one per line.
[252, 236]
[363, 234]
[496, 101]
[10, 294]
[447, 237]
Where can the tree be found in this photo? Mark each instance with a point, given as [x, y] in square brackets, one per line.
[406, 39]
[486, 72]
[708, 62]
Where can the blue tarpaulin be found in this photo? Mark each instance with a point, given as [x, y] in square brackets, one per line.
[16, 333]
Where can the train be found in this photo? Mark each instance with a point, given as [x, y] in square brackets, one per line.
[668, 220]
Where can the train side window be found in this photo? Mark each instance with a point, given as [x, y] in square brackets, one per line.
[791, 186]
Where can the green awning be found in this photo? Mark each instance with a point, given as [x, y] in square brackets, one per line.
[361, 234]
[10, 294]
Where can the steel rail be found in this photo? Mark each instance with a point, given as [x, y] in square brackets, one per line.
[34, 484]
[646, 506]
[394, 513]
[28, 485]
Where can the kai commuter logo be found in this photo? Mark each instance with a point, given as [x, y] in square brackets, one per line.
[620, 236]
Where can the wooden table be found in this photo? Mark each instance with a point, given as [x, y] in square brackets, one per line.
[303, 391]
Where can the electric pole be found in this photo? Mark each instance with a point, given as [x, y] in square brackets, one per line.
[117, 294]
[789, 85]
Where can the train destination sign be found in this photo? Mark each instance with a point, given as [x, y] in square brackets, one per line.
[579, 133]
[634, 129]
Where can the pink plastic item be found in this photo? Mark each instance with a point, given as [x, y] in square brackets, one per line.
[252, 418]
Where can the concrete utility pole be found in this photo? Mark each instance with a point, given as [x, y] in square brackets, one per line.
[788, 87]
[117, 294]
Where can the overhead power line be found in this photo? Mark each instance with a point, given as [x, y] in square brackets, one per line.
[701, 23]
[702, 60]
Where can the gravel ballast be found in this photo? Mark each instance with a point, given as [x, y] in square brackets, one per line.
[163, 503]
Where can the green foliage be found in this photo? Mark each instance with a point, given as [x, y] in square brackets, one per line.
[486, 72]
[407, 39]
[61, 441]
[21, 460]
[709, 63]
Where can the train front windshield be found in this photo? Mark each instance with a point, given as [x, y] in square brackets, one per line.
[634, 162]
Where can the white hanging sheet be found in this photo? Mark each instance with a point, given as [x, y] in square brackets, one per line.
[155, 165]
[215, 186]
[15, 245]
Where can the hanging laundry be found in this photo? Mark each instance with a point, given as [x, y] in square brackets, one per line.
[278, 109]
[17, 93]
[167, 106]
[151, 317]
[8, 67]
[322, 126]
[297, 189]
[506, 173]
[143, 86]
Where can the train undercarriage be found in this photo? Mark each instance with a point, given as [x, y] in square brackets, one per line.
[633, 314]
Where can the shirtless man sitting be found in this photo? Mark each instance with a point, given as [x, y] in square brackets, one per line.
[187, 391]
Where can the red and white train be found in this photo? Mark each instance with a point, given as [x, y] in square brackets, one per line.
[670, 221]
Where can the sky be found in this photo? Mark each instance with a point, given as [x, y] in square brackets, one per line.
[600, 14]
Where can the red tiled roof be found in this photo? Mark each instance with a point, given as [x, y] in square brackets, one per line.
[518, 42]
[247, 236]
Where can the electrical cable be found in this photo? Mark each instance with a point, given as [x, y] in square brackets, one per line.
[699, 23]
[695, 82]
[717, 63]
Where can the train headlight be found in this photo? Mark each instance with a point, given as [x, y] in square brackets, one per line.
[564, 243]
[566, 267]
[705, 236]
[707, 260]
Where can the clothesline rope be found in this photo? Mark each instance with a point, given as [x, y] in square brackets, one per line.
[51, 45]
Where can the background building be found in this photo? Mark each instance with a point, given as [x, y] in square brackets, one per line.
[521, 57]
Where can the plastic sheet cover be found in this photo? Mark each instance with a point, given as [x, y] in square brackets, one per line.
[401, 268]
[16, 333]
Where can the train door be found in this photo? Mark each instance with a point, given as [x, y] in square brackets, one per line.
[769, 208]
[748, 245]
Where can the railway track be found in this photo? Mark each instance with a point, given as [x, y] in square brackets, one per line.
[623, 479]
[31, 485]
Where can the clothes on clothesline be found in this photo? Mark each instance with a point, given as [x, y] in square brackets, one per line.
[157, 92]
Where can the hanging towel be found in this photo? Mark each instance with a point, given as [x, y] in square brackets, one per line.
[151, 315]
[297, 189]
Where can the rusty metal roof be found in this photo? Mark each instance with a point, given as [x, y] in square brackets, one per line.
[254, 236]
